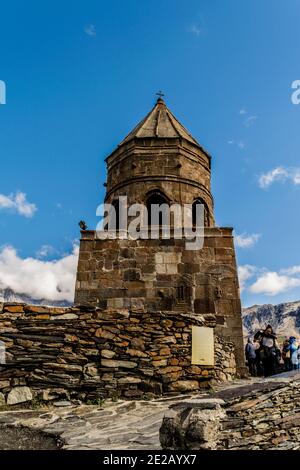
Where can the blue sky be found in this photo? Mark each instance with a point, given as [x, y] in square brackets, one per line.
[79, 78]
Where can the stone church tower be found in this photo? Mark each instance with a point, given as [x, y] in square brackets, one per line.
[160, 162]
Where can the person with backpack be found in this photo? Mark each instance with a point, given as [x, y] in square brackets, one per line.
[294, 349]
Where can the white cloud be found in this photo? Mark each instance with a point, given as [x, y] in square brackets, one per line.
[242, 111]
[49, 280]
[273, 283]
[245, 272]
[45, 251]
[18, 203]
[90, 30]
[263, 281]
[278, 174]
[291, 271]
[281, 174]
[246, 241]
[250, 120]
[238, 143]
[195, 29]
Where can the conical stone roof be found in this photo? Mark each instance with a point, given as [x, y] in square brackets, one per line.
[160, 122]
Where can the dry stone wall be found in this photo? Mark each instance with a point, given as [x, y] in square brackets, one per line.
[88, 353]
[261, 416]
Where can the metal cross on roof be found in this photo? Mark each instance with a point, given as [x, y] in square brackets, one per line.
[160, 94]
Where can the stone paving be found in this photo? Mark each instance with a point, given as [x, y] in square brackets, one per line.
[122, 425]
[130, 425]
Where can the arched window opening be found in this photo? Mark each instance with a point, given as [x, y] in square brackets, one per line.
[112, 216]
[155, 198]
[200, 201]
[116, 205]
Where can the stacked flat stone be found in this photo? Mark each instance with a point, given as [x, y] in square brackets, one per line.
[260, 416]
[88, 353]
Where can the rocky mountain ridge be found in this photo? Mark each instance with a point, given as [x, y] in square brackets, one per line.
[284, 318]
[8, 295]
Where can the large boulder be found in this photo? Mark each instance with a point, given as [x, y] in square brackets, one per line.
[192, 424]
[19, 395]
[184, 386]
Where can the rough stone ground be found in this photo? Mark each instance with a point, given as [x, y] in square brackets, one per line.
[122, 425]
[15, 438]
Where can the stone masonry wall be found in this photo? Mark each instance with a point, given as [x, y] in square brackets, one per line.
[164, 275]
[88, 353]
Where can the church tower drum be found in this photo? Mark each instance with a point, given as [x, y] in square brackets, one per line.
[159, 157]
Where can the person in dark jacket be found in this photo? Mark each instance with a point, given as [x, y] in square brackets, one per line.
[258, 362]
[269, 351]
[286, 355]
[250, 353]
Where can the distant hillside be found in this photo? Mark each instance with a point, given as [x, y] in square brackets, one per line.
[284, 318]
[8, 295]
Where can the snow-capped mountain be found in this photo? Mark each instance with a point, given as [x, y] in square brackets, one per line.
[8, 295]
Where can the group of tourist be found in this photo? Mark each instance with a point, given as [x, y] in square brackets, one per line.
[265, 357]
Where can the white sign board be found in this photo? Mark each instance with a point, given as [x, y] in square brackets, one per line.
[203, 351]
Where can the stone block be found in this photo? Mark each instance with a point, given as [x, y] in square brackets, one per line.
[19, 395]
[118, 363]
[129, 380]
[131, 275]
[107, 353]
[138, 343]
[184, 385]
[160, 362]
[161, 268]
[172, 268]
[136, 353]
[159, 258]
[209, 242]
[115, 303]
[66, 316]
[224, 307]
[4, 384]
[127, 253]
[14, 308]
[224, 242]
